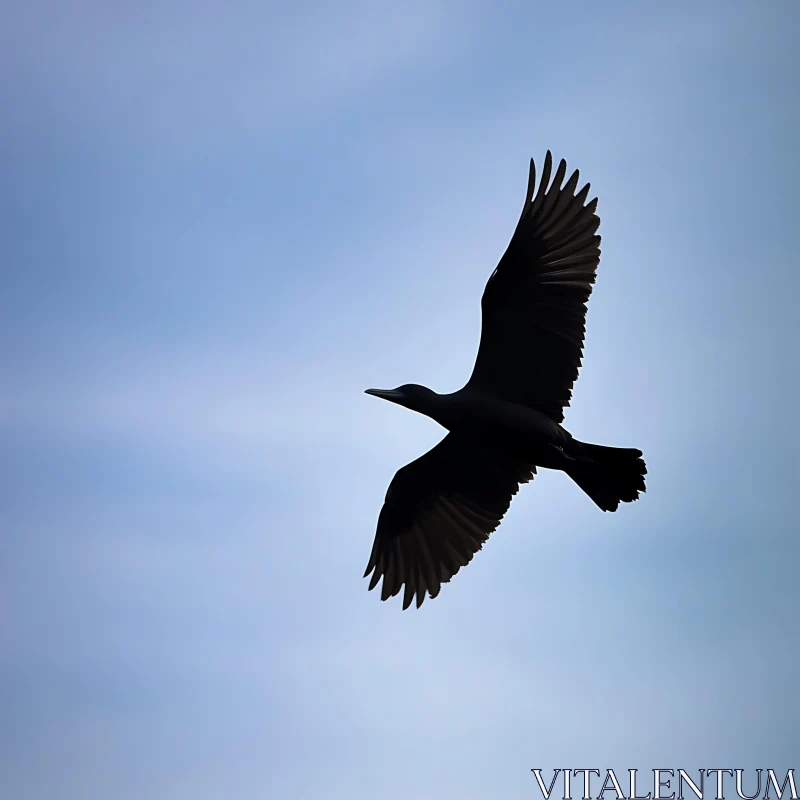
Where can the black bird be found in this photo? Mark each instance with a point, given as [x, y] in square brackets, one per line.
[506, 421]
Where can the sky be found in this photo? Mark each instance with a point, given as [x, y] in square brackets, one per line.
[220, 222]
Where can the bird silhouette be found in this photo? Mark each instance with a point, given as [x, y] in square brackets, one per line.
[506, 421]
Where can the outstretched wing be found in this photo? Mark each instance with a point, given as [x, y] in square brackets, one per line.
[534, 305]
[438, 512]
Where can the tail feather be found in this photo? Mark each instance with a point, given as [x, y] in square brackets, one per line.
[609, 475]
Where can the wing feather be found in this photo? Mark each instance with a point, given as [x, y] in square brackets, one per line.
[534, 305]
[439, 511]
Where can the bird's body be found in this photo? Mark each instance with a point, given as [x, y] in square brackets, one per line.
[475, 413]
[506, 421]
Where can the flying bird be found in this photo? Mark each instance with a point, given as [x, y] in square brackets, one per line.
[506, 421]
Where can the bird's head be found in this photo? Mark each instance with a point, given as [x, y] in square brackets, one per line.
[410, 395]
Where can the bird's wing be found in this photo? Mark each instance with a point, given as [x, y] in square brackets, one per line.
[438, 512]
[534, 305]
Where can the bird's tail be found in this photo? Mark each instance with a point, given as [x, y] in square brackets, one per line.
[609, 475]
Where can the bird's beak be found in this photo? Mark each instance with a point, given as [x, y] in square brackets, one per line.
[386, 394]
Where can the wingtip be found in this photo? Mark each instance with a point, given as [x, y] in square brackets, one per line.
[531, 185]
[375, 579]
[545, 179]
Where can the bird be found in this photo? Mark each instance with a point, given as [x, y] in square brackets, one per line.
[505, 422]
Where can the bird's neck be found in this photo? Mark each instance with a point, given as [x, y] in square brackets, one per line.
[440, 407]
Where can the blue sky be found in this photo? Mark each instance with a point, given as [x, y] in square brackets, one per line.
[220, 223]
